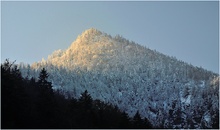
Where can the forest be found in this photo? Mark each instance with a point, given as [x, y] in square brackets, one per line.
[168, 92]
[33, 104]
[101, 81]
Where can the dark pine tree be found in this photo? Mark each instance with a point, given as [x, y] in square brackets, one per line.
[42, 80]
[137, 121]
[46, 102]
[85, 104]
[13, 98]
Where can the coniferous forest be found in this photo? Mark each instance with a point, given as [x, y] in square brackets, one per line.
[32, 103]
[102, 81]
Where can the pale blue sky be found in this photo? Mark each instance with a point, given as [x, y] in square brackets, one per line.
[189, 31]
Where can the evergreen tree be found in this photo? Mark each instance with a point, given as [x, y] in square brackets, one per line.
[125, 121]
[147, 123]
[137, 121]
[46, 102]
[13, 97]
[85, 104]
[42, 80]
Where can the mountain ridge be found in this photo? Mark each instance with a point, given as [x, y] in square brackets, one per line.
[94, 36]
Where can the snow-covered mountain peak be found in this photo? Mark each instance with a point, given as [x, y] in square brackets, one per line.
[97, 51]
[133, 77]
[91, 31]
[89, 34]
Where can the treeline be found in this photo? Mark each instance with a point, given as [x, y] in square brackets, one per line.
[31, 103]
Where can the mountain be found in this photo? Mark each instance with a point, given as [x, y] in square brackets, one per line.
[169, 92]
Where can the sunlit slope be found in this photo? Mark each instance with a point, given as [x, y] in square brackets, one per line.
[98, 51]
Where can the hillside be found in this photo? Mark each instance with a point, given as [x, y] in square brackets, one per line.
[169, 92]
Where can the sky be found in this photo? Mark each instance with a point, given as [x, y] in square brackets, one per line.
[187, 30]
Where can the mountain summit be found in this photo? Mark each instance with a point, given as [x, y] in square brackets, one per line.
[167, 91]
[97, 51]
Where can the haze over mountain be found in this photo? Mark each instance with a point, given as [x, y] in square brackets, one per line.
[167, 91]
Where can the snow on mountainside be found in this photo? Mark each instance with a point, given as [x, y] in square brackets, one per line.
[169, 92]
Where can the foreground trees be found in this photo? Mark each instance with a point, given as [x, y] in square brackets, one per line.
[33, 104]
